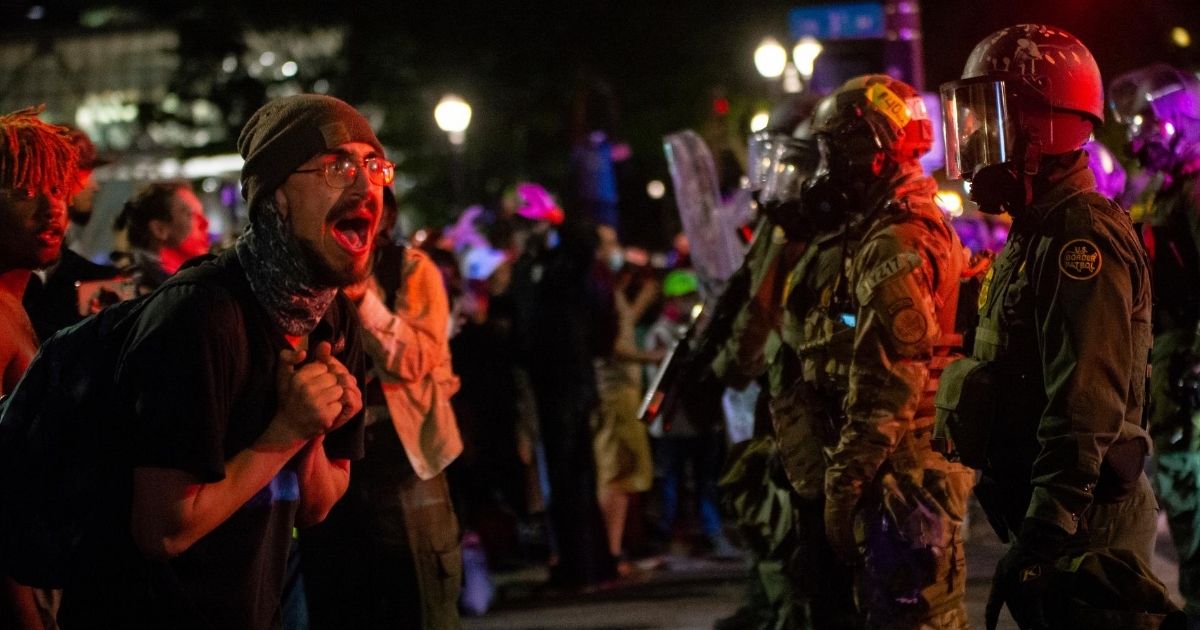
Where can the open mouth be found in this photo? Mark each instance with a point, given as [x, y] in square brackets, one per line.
[352, 233]
[51, 235]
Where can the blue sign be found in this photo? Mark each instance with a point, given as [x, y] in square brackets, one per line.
[856, 20]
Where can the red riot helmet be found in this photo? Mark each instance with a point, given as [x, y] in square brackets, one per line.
[1026, 91]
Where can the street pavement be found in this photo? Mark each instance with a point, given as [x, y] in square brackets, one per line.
[689, 593]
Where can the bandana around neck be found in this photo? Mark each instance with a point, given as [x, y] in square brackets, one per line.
[279, 274]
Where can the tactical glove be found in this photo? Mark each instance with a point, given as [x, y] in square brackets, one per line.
[1023, 576]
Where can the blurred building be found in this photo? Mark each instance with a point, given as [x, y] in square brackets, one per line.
[163, 114]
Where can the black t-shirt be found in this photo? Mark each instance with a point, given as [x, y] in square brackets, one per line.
[54, 304]
[198, 374]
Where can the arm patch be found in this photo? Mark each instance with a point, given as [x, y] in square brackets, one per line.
[1079, 259]
[901, 264]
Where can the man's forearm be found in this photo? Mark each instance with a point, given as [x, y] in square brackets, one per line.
[171, 511]
[323, 481]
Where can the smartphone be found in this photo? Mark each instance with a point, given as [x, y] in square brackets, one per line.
[93, 295]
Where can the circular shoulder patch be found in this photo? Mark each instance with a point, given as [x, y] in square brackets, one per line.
[909, 326]
[1079, 259]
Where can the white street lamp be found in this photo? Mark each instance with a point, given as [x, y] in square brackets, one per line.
[770, 58]
[759, 121]
[453, 115]
[805, 55]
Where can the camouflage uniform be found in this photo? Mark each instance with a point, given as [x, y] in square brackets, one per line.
[1171, 233]
[800, 575]
[879, 334]
[1064, 330]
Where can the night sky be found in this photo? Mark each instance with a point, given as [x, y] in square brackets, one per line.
[527, 67]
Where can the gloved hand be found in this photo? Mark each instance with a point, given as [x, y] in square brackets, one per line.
[1023, 575]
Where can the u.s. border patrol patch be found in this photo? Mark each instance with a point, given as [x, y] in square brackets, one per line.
[909, 326]
[1079, 259]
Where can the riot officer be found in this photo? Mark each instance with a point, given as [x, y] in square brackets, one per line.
[799, 580]
[1050, 403]
[1160, 108]
[871, 321]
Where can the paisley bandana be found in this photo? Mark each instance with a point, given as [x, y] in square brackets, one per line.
[280, 275]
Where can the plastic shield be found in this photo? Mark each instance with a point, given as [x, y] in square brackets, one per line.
[709, 223]
[975, 120]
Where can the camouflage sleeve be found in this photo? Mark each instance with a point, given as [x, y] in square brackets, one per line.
[1083, 286]
[895, 331]
[742, 358]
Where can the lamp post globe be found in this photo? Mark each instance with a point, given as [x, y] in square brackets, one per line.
[453, 115]
[805, 55]
[770, 58]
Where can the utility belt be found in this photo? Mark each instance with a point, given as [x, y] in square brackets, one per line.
[978, 407]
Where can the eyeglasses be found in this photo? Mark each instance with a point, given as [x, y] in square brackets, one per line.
[343, 172]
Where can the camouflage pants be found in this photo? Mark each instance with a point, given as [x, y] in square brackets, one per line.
[795, 581]
[905, 586]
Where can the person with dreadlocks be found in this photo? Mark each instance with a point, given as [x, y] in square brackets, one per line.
[238, 388]
[37, 170]
[37, 164]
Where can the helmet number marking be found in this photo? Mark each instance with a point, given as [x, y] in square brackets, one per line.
[889, 104]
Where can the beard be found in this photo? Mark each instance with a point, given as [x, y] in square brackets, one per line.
[322, 271]
[325, 274]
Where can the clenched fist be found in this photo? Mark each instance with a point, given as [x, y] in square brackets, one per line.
[315, 397]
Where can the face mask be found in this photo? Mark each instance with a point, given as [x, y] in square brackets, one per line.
[998, 188]
[825, 202]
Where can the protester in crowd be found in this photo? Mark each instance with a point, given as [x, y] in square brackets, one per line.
[683, 442]
[492, 479]
[37, 175]
[562, 323]
[238, 383]
[164, 225]
[620, 442]
[53, 296]
[389, 555]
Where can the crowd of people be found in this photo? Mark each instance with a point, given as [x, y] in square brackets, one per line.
[312, 427]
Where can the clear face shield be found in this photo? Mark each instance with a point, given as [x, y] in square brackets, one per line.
[792, 162]
[978, 130]
[759, 151]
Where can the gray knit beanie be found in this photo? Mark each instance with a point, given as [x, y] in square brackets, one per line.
[288, 131]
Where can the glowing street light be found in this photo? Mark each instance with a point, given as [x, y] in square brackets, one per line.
[1181, 37]
[759, 121]
[770, 58]
[453, 115]
[805, 55]
[655, 189]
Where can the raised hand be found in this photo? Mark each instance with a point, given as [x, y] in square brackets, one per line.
[310, 395]
[351, 395]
